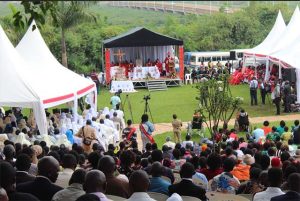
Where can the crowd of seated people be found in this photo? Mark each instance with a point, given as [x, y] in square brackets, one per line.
[265, 165]
[206, 72]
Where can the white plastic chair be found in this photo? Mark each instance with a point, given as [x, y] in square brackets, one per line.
[157, 196]
[188, 78]
[217, 196]
[115, 198]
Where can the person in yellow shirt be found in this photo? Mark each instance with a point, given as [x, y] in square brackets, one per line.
[286, 135]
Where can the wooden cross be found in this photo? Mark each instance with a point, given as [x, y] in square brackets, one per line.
[119, 54]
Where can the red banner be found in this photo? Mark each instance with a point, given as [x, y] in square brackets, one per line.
[181, 62]
[107, 65]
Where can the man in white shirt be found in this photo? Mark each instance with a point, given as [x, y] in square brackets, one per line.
[139, 183]
[275, 181]
[74, 190]
[69, 164]
[169, 143]
[253, 90]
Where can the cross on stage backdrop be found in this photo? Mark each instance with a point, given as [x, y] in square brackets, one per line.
[139, 45]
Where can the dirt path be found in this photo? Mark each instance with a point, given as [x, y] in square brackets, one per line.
[167, 127]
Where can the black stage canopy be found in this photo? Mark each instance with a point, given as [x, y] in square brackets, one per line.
[140, 37]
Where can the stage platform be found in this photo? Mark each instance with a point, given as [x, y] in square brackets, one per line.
[139, 84]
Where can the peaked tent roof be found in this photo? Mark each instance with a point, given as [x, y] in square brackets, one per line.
[14, 88]
[290, 34]
[55, 83]
[265, 47]
[140, 36]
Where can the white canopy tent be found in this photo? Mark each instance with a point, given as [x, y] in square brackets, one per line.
[291, 33]
[48, 83]
[261, 51]
[265, 47]
[15, 89]
[65, 84]
[289, 57]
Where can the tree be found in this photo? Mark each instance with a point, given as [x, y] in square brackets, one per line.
[64, 15]
[216, 103]
[67, 15]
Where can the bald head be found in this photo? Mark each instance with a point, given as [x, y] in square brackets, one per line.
[95, 181]
[48, 167]
[139, 181]
[107, 165]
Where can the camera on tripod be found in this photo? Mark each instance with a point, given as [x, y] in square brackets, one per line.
[147, 97]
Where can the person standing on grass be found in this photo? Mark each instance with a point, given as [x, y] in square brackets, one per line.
[276, 98]
[177, 124]
[263, 91]
[146, 128]
[253, 90]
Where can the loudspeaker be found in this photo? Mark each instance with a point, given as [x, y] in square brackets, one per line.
[289, 74]
[232, 55]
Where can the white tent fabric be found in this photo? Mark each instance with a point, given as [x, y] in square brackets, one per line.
[290, 34]
[15, 89]
[54, 83]
[64, 82]
[290, 56]
[265, 47]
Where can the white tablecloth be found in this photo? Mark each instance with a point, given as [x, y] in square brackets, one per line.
[142, 72]
[125, 86]
[117, 69]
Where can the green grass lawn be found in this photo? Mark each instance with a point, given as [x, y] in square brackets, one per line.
[179, 100]
[161, 138]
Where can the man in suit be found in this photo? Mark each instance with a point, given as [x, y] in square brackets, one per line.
[115, 186]
[42, 187]
[8, 183]
[294, 189]
[23, 164]
[186, 187]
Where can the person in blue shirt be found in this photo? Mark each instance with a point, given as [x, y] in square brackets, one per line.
[146, 128]
[280, 128]
[114, 100]
[257, 134]
[157, 183]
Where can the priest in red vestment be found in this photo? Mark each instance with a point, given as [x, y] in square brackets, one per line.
[167, 62]
[159, 65]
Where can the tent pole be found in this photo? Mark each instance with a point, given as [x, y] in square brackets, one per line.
[102, 59]
[279, 70]
[267, 72]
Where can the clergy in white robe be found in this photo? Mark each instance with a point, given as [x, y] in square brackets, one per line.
[107, 133]
[111, 124]
[62, 139]
[21, 138]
